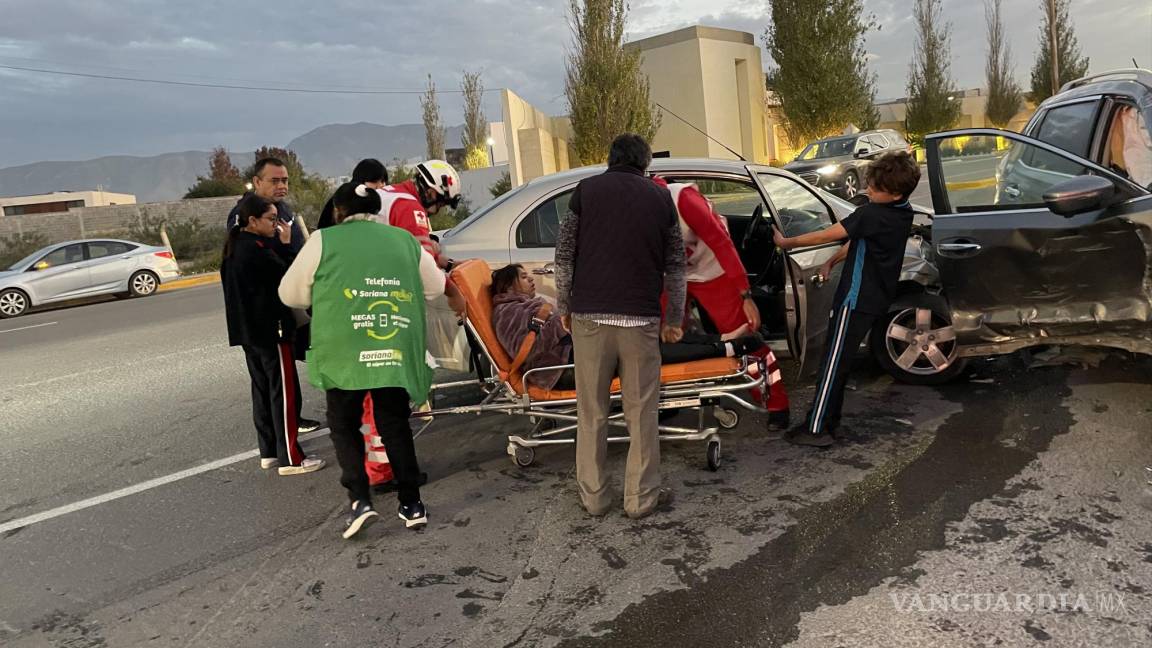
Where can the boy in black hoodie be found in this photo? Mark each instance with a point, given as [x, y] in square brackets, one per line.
[877, 234]
[254, 263]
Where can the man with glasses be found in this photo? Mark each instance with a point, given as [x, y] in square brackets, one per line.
[270, 182]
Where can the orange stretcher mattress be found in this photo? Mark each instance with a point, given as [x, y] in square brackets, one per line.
[473, 277]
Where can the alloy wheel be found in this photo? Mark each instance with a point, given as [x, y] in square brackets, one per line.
[13, 303]
[144, 284]
[921, 342]
[851, 186]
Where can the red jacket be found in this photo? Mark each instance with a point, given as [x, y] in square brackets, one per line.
[407, 212]
[709, 250]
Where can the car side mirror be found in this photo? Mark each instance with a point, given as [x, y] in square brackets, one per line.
[1079, 195]
[862, 153]
[43, 265]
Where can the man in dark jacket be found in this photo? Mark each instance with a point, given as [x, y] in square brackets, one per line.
[619, 247]
[253, 264]
[270, 182]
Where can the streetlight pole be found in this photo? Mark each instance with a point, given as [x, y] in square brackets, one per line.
[491, 152]
[1054, 45]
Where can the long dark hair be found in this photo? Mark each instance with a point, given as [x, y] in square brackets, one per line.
[349, 201]
[249, 207]
[505, 278]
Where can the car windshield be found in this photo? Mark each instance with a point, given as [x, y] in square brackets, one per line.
[483, 210]
[26, 260]
[827, 149]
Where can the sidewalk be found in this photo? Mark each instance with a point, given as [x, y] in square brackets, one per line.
[190, 281]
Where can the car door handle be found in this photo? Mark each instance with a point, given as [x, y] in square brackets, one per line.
[1012, 191]
[818, 280]
[547, 269]
[958, 248]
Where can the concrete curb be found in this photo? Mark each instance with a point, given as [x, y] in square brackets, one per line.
[191, 282]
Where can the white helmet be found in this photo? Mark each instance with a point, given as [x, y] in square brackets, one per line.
[440, 177]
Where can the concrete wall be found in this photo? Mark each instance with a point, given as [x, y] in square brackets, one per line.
[95, 198]
[972, 107]
[673, 72]
[88, 222]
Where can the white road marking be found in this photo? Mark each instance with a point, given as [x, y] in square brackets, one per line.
[155, 359]
[25, 328]
[141, 487]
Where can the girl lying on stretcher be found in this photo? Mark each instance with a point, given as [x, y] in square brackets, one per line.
[515, 304]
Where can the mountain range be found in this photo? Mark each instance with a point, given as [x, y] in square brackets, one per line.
[330, 151]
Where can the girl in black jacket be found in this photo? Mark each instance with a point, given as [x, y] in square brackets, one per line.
[257, 321]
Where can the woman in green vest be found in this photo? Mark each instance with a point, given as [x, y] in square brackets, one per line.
[367, 284]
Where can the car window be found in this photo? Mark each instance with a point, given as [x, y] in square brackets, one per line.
[798, 209]
[60, 256]
[986, 172]
[1128, 149]
[1069, 127]
[828, 148]
[729, 198]
[101, 249]
[541, 226]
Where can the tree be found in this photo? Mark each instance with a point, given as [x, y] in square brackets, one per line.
[433, 129]
[501, 186]
[932, 104]
[223, 178]
[607, 93]
[475, 137]
[307, 192]
[1057, 38]
[400, 172]
[1003, 94]
[822, 40]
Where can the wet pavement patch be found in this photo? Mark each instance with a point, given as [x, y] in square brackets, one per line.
[842, 548]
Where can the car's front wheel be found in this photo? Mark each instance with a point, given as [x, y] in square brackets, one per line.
[13, 303]
[916, 343]
[143, 284]
[851, 185]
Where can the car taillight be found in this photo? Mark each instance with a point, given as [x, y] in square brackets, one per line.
[165, 255]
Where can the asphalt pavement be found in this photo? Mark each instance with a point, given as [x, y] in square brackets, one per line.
[1022, 481]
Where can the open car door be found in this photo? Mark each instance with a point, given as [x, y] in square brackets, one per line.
[1035, 243]
[797, 209]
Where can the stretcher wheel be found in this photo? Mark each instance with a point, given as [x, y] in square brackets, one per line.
[714, 455]
[523, 456]
[727, 418]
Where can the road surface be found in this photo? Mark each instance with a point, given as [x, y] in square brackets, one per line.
[1022, 482]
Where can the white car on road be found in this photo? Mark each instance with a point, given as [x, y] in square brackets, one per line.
[86, 268]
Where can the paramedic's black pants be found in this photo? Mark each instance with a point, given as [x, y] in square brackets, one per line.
[846, 331]
[275, 402]
[391, 411]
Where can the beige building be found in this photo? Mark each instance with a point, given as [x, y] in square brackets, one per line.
[709, 79]
[61, 201]
[534, 143]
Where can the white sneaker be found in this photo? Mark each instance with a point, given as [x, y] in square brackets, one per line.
[310, 464]
[266, 463]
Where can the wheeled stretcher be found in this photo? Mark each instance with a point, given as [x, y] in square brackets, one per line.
[721, 385]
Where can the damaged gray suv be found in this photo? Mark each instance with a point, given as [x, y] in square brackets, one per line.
[1038, 239]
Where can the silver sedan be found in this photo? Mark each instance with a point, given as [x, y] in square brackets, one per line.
[76, 269]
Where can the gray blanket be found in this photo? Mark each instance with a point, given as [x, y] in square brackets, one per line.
[511, 315]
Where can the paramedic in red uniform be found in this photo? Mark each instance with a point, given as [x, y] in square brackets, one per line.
[408, 205]
[718, 283]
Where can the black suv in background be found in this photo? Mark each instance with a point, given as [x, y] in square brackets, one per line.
[836, 164]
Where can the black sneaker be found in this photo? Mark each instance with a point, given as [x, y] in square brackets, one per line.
[801, 436]
[361, 516]
[414, 515]
[306, 425]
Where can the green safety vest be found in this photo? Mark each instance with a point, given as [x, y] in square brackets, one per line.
[368, 323]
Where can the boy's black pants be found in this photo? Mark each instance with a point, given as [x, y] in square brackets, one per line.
[846, 331]
[390, 409]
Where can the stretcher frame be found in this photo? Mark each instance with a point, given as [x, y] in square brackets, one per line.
[555, 419]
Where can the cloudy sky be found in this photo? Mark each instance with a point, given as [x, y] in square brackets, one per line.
[383, 45]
